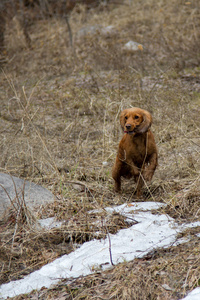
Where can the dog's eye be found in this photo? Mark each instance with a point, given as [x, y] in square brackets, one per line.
[125, 117]
[136, 117]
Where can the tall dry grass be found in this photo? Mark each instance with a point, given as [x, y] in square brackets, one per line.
[60, 128]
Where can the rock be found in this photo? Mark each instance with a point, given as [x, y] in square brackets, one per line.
[133, 46]
[89, 31]
[167, 287]
[13, 188]
[106, 31]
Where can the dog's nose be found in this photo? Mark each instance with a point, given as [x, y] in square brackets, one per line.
[128, 126]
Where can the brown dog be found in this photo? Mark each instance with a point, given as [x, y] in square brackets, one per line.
[137, 152]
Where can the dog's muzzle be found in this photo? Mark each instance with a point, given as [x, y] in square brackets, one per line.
[128, 127]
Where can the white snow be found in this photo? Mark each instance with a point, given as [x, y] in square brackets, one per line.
[49, 223]
[194, 295]
[151, 231]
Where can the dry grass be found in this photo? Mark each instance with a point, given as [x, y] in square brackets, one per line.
[59, 124]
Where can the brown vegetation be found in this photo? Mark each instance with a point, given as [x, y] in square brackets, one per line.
[59, 127]
[32, 10]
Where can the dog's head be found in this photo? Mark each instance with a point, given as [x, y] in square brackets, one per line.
[135, 120]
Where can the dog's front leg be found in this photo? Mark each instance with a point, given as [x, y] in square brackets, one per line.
[116, 174]
[150, 169]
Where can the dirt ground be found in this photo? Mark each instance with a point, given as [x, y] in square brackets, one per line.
[59, 127]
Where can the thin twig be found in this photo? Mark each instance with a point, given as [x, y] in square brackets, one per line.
[109, 241]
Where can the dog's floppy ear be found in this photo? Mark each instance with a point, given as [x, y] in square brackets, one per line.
[122, 118]
[146, 123]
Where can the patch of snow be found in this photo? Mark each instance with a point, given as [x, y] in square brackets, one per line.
[49, 223]
[152, 231]
[191, 225]
[131, 207]
[194, 295]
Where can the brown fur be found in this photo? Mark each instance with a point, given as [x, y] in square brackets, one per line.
[137, 152]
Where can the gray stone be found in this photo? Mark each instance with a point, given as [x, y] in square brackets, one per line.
[132, 46]
[106, 32]
[16, 189]
[89, 31]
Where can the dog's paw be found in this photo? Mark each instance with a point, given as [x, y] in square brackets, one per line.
[148, 174]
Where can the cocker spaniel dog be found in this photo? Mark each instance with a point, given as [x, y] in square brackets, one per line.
[137, 153]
